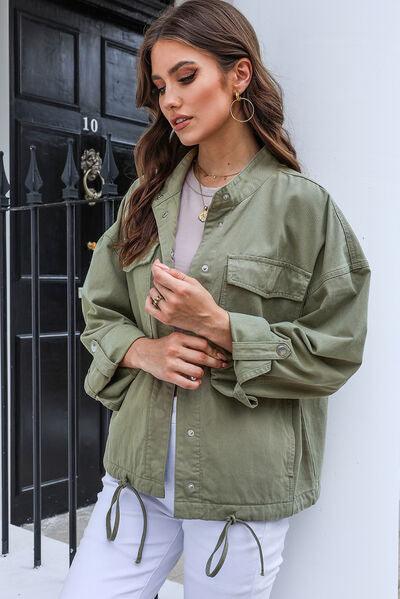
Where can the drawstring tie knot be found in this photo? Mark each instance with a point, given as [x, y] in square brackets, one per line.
[112, 532]
[231, 519]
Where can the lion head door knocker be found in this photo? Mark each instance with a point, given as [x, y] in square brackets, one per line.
[91, 167]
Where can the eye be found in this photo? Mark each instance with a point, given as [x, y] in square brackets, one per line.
[158, 91]
[188, 78]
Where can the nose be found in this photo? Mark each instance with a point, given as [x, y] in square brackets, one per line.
[171, 101]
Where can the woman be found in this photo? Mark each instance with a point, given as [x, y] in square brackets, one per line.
[223, 307]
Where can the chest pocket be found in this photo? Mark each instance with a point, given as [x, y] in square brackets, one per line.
[262, 286]
[140, 280]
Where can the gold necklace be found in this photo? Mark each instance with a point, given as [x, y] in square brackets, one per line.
[198, 192]
[211, 175]
[203, 214]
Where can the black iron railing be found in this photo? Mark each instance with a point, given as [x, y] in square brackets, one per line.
[4, 188]
[70, 202]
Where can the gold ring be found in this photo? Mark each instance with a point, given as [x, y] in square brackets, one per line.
[156, 300]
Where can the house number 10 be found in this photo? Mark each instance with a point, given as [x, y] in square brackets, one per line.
[94, 125]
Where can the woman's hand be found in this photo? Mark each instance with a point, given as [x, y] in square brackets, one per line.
[187, 304]
[177, 357]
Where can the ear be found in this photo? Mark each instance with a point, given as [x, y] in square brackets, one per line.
[242, 73]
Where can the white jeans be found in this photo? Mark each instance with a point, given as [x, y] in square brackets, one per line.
[107, 570]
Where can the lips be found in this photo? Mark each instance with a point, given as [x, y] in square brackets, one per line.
[182, 124]
[180, 117]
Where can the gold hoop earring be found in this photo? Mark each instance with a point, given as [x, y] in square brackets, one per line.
[238, 98]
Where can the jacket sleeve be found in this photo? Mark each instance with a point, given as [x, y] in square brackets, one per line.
[109, 325]
[313, 356]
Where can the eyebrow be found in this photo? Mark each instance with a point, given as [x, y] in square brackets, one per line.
[174, 68]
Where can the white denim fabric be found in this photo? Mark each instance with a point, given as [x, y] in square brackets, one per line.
[107, 570]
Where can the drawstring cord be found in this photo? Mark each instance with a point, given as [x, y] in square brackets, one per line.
[112, 532]
[232, 519]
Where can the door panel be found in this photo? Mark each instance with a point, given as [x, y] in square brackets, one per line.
[73, 76]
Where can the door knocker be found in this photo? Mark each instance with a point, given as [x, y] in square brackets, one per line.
[91, 166]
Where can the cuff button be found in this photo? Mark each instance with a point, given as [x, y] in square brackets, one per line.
[282, 350]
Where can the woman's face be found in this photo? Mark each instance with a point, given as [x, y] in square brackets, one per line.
[195, 89]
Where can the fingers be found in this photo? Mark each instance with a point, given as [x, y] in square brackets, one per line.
[201, 344]
[201, 358]
[172, 271]
[163, 276]
[186, 383]
[192, 354]
[154, 293]
[190, 369]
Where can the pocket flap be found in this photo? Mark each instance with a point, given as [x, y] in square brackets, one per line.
[268, 277]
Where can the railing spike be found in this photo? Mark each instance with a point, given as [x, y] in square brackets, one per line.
[109, 170]
[33, 180]
[70, 175]
[4, 184]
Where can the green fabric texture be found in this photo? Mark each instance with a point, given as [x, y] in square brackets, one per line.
[283, 261]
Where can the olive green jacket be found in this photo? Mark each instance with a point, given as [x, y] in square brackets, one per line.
[280, 257]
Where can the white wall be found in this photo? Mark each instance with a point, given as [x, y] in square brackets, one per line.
[4, 112]
[338, 64]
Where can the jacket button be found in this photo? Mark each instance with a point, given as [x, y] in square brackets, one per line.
[282, 350]
[190, 432]
[204, 268]
[226, 196]
[164, 214]
[190, 487]
[220, 223]
[93, 346]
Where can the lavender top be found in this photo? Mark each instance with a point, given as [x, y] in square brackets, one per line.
[190, 228]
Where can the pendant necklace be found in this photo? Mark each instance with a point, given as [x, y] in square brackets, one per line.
[203, 214]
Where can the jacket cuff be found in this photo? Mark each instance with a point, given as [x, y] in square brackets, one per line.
[254, 346]
[109, 350]
[111, 393]
[105, 380]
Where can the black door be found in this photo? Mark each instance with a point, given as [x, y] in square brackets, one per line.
[73, 68]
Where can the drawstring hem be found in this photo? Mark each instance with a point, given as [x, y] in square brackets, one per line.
[232, 519]
[112, 532]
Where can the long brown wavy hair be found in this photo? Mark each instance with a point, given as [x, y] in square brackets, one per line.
[223, 31]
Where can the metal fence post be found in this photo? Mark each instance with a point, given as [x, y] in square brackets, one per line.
[70, 178]
[4, 204]
[34, 182]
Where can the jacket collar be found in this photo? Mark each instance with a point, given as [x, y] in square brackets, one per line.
[258, 170]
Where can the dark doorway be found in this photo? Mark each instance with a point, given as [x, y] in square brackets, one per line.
[73, 68]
